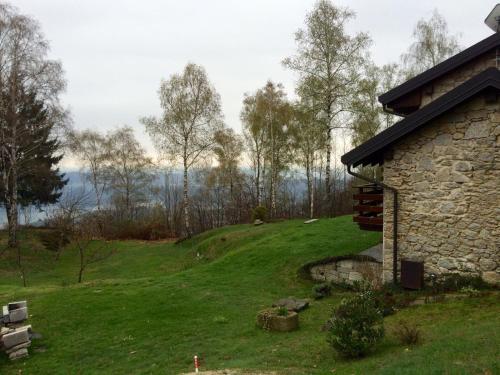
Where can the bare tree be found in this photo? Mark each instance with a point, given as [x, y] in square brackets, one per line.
[24, 69]
[328, 60]
[62, 219]
[191, 115]
[91, 249]
[433, 44]
[226, 177]
[91, 150]
[254, 132]
[128, 169]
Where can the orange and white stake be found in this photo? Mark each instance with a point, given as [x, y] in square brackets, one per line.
[196, 364]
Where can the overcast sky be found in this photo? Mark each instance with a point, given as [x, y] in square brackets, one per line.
[116, 52]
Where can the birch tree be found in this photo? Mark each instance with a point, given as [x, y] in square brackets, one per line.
[433, 44]
[266, 116]
[191, 116]
[254, 133]
[309, 140]
[327, 61]
[24, 70]
[90, 148]
[128, 169]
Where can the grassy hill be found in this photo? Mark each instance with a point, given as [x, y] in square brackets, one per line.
[150, 307]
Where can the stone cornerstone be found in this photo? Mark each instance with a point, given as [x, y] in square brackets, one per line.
[448, 178]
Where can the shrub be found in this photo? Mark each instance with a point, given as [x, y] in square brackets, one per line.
[356, 326]
[321, 290]
[282, 311]
[454, 282]
[259, 213]
[470, 291]
[385, 302]
[407, 334]
[54, 239]
[362, 285]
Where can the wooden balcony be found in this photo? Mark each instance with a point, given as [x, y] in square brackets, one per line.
[368, 212]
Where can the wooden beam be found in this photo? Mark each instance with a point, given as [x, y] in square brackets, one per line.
[369, 197]
[366, 208]
[369, 220]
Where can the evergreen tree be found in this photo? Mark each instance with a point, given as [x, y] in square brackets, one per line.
[39, 182]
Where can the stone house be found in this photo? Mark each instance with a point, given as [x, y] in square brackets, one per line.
[440, 191]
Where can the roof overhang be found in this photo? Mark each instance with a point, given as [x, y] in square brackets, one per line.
[446, 66]
[372, 151]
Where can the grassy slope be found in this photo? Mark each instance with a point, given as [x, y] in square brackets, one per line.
[150, 307]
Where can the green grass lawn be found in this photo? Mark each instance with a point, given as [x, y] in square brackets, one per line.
[151, 306]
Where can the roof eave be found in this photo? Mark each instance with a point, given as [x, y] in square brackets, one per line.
[371, 151]
[440, 69]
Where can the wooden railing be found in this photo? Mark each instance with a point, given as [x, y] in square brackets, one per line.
[368, 211]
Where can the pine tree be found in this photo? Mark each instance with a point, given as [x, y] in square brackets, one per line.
[39, 181]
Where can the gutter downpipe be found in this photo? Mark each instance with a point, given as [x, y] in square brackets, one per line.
[395, 219]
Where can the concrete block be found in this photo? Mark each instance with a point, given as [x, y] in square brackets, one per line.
[18, 347]
[18, 315]
[18, 354]
[17, 305]
[17, 337]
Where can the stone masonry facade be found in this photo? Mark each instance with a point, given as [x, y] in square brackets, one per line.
[449, 81]
[448, 178]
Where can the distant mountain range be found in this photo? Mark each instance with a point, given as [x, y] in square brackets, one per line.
[77, 182]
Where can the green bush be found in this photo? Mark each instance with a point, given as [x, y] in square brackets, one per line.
[321, 290]
[454, 282]
[356, 326]
[259, 213]
[54, 239]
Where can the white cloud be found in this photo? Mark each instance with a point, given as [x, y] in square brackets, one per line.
[116, 52]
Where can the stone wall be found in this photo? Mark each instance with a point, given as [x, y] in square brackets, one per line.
[449, 81]
[347, 271]
[448, 178]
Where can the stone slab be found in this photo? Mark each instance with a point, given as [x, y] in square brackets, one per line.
[18, 354]
[18, 347]
[16, 305]
[310, 221]
[374, 252]
[18, 315]
[17, 337]
[292, 304]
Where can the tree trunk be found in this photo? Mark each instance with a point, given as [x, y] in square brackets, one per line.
[328, 163]
[273, 193]
[310, 188]
[82, 264]
[11, 206]
[328, 169]
[257, 180]
[186, 200]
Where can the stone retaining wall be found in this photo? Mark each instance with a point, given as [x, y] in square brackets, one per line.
[347, 270]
